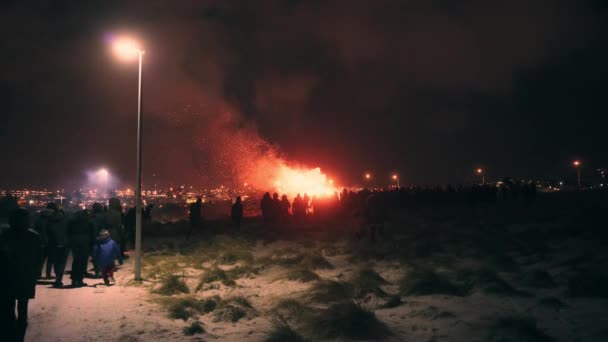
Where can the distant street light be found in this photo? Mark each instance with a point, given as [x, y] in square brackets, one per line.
[482, 174]
[128, 49]
[396, 178]
[577, 165]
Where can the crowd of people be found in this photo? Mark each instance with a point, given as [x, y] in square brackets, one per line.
[100, 235]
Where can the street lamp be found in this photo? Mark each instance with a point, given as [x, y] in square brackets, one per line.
[396, 178]
[482, 174]
[127, 48]
[577, 165]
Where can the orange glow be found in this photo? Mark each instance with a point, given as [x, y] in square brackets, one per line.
[293, 181]
[577, 163]
[479, 170]
[126, 48]
[395, 177]
[368, 176]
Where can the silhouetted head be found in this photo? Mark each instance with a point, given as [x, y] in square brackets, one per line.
[284, 198]
[19, 219]
[238, 199]
[199, 199]
[103, 234]
[52, 206]
[114, 204]
[275, 196]
[267, 195]
[97, 207]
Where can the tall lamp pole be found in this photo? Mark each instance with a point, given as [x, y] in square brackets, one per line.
[482, 174]
[128, 48]
[577, 165]
[396, 178]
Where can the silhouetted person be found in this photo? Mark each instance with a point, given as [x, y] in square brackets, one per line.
[41, 227]
[374, 215]
[7, 288]
[58, 245]
[306, 202]
[266, 206]
[25, 253]
[130, 221]
[299, 208]
[114, 221]
[98, 217]
[105, 252]
[81, 235]
[237, 213]
[147, 216]
[195, 215]
[284, 208]
[276, 207]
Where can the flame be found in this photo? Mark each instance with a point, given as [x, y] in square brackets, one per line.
[293, 181]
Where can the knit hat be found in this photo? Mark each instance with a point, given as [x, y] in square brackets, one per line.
[104, 233]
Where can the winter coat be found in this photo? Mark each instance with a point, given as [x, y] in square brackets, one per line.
[57, 230]
[41, 225]
[25, 253]
[81, 232]
[105, 251]
[237, 211]
[113, 222]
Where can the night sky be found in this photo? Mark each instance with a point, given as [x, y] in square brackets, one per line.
[431, 88]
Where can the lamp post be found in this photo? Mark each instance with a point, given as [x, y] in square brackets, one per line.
[482, 174]
[129, 48]
[396, 178]
[577, 165]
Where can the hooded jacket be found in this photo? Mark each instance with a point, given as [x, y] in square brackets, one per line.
[105, 251]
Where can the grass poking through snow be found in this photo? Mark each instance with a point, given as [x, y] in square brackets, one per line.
[329, 291]
[522, 329]
[171, 285]
[367, 281]
[193, 329]
[348, 320]
[283, 332]
[426, 282]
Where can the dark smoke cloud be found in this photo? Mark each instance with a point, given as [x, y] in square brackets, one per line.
[429, 88]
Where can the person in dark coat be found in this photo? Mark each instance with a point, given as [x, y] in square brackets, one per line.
[114, 222]
[284, 208]
[276, 208]
[105, 252]
[266, 206]
[58, 245]
[41, 227]
[81, 236]
[25, 253]
[237, 212]
[195, 215]
[130, 221]
[7, 289]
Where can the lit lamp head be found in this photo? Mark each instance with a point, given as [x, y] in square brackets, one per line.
[479, 171]
[368, 176]
[127, 48]
[576, 163]
[395, 177]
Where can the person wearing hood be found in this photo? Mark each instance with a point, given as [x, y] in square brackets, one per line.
[25, 255]
[58, 245]
[41, 227]
[105, 252]
[81, 236]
